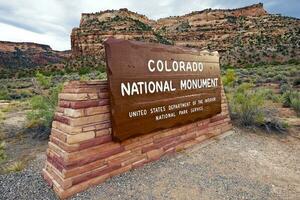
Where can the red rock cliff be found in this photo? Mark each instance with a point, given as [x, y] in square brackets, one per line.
[242, 36]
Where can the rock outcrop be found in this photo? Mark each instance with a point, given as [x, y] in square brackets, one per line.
[242, 36]
[95, 28]
[28, 55]
[20, 59]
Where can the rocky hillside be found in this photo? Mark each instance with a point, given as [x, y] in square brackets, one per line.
[28, 55]
[243, 36]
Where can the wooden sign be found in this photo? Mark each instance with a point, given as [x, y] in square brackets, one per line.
[154, 87]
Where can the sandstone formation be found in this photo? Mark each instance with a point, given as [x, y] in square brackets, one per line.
[243, 36]
[27, 55]
[95, 28]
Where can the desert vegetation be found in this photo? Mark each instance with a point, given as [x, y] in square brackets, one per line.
[43, 104]
[2, 143]
[33, 100]
[256, 93]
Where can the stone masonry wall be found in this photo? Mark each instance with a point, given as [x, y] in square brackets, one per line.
[81, 152]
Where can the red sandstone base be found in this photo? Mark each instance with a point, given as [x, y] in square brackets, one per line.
[81, 152]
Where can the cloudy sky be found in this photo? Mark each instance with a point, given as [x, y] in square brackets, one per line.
[51, 21]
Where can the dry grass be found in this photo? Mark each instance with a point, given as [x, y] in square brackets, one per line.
[2, 151]
[2, 116]
[12, 106]
[2, 135]
[15, 167]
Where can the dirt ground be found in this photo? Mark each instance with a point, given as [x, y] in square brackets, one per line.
[246, 164]
[243, 165]
[19, 144]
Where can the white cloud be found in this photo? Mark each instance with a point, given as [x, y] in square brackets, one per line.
[51, 21]
[15, 34]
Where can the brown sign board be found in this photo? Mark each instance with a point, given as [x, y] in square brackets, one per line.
[154, 87]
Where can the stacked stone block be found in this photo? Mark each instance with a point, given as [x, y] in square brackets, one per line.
[81, 152]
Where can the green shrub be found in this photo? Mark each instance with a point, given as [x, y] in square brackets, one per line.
[162, 40]
[42, 111]
[231, 19]
[43, 81]
[142, 26]
[183, 27]
[284, 88]
[84, 70]
[4, 94]
[102, 69]
[296, 82]
[246, 105]
[288, 97]
[280, 77]
[228, 66]
[270, 74]
[2, 151]
[268, 80]
[84, 78]
[295, 104]
[43, 105]
[294, 72]
[293, 61]
[248, 108]
[259, 72]
[20, 94]
[270, 95]
[102, 76]
[229, 78]
[286, 73]
[25, 93]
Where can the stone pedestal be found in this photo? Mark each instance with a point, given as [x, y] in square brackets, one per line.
[81, 152]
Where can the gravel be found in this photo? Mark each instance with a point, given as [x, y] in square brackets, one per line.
[27, 184]
[241, 166]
